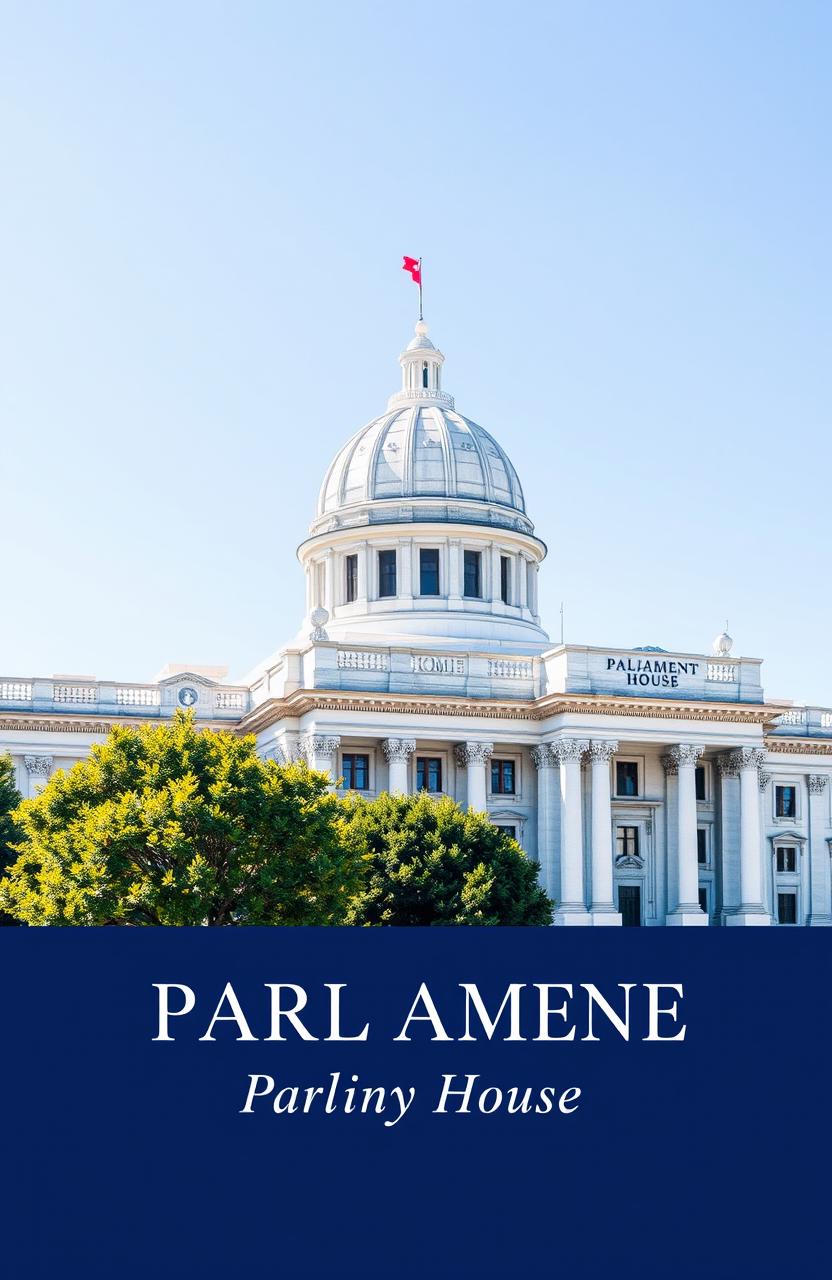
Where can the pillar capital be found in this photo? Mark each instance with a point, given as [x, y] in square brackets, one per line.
[38, 766]
[817, 783]
[398, 748]
[680, 756]
[764, 779]
[544, 756]
[473, 753]
[602, 752]
[748, 758]
[570, 749]
[317, 746]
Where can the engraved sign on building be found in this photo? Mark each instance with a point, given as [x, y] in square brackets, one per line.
[435, 665]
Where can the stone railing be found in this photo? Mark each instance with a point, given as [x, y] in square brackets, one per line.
[76, 693]
[137, 696]
[229, 701]
[359, 660]
[101, 697]
[438, 397]
[805, 722]
[15, 691]
[723, 672]
[509, 669]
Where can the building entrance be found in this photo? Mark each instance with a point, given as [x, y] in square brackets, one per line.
[629, 904]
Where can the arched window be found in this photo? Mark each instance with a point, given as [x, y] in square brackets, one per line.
[425, 374]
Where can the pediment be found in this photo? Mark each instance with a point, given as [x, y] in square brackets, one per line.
[188, 677]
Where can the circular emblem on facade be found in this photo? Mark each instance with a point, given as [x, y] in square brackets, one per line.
[188, 697]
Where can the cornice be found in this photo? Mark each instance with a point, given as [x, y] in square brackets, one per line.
[17, 722]
[799, 746]
[304, 700]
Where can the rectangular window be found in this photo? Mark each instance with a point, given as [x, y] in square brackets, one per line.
[428, 773]
[701, 793]
[785, 802]
[505, 579]
[355, 770]
[429, 571]
[502, 777]
[703, 900]
[787, 859]
[386, 573]
[351, 569]
[472, 561]
[702, 846]
[626, 778]
[509, 831]
[626, 842]
[787, 908]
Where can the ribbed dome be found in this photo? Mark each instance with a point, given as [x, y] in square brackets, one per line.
[420, 452]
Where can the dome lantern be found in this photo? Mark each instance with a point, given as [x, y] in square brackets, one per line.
[421, 364]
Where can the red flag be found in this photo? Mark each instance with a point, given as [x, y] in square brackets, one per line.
[414, 266]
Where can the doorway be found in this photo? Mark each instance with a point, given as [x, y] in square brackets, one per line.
[629, 904]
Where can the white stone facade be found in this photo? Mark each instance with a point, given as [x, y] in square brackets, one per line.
[651, 787]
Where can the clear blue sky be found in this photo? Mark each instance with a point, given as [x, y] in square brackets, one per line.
[624, 211]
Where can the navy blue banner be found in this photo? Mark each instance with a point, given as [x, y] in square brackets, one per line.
[176, 1103]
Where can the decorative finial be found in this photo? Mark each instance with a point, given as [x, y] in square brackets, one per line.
[723, 643]
[421, 329]
[319, 618]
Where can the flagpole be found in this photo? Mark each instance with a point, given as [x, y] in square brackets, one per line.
[421, 317]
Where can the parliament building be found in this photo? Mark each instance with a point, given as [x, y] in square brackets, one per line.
[652, 788]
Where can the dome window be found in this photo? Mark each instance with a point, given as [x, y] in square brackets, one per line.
[505, 579]
[386, 574]
[429, 571]
[473, 575]
[425, 374]
[351, 574]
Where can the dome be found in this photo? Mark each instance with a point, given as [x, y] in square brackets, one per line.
[421, 529]
[421, 460]
[417, 452]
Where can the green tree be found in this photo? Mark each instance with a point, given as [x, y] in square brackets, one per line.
[9, 833]
[173, 825]
[427, 862]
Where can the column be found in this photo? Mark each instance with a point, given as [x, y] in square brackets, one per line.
[329, 581]
[397, 753]
[820, 892]
[728, 862]
[319, 750]
[454, 574]
[751, 911]
[363, 574]
[404, 569]
[680, 762]
[571, 909]
[546, 762]
[496, 580]
[39, 768]
[770, 871]
[522, 581]
[603, 906]
[474, 756]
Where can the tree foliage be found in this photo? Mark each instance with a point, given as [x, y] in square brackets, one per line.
[9, 832]
[427, 862]
[167, 824]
